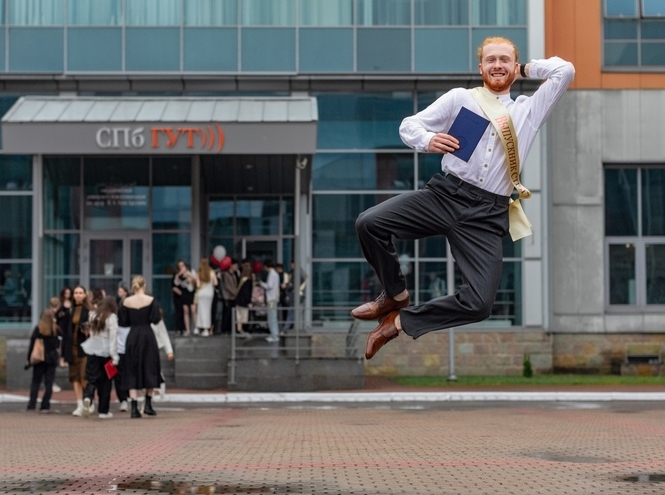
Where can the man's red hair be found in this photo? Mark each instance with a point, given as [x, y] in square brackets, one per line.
[497, 39]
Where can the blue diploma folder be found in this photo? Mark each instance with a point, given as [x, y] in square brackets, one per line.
[468, 128]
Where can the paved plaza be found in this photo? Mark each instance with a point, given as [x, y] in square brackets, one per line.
[465, 447]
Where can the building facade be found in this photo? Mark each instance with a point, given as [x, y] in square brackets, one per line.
[111, 67]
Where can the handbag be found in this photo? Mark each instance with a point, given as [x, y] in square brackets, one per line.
[37, 354]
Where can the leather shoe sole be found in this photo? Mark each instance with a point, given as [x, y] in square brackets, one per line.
[381, 306]
[381, 335]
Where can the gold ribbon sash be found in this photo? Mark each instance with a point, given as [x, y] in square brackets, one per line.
[498, 114]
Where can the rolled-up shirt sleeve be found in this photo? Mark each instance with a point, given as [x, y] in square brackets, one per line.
[418, 130]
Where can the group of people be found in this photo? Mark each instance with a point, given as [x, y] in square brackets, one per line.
[264, 287]
[104, 341]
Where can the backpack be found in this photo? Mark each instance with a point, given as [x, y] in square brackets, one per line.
[258, 300]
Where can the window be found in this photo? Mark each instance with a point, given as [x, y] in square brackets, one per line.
[634, 34]
[635, 236]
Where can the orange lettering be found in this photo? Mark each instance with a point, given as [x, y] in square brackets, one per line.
[190, 131]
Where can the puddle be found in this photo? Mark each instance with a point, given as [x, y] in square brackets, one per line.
[646, 478]
[183, 487]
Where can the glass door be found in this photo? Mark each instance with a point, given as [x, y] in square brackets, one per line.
[260, 249]
[110, 260]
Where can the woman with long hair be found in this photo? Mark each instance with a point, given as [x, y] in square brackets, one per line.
[142, 367]
[206, 281]
[101, 347]
[184, 283]
[47, 331]
[66, 298]
[72, 338]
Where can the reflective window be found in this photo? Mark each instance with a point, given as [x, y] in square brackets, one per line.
[171, 193]
[653, 8]
[94, 49]
[268, 49]
[384, 12]
[655, 268]
[621, 202]
[36, 12]
[429, 164]
[326, 13]
[433, 280]
[152, 12]
[438, 13]
[622, 274]
[339, 286]
[499, 12]
[362, 121]
[620, 54]
[621, 30]
[15, 292]
[16, 227]
[211, 12]
[220, 217]
[326, 50]
[116, 193]
[621, 8]
[517, 35]
[257, 217]
[368, 171]
[143, 43]
[507, 307]
[653, 54]
[224, 58]
[653, 201]
[268, 12]
[384, 50]
[167, 249]
[430, 51]
[95, 12]
[62, 193]
[36, 49]
[432, 247]
[15, 173]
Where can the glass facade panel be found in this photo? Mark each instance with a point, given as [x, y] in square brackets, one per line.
[655, 8]
[653, 53]
[62, 193]
[362, 171]
[326, 50]
[15, 292]
[268, 49]
[16, 227]
[433, 280]
[168, 248]
[36, 12]
[653, 30]
[655, 267]
[384, 12]
[337, 287]
[620, 54]
[428, 165]
[622, 273]
[499, 12]
[116, 193]
[507, 308]
[221, 53]
[94, 49]
[15, 173]
[438, 41]
[143, 43]
[653, 201]
[61, 260]
[220, 217]
[95, 12]
[257, 217]
[211, 12]
[516, 35]
[268, 12]
[326, 13]
[384, 49]
[438, 13]
[362, 121]
[171, 193]
[152, 12]
[621, 8]
[621, 203]
[432, 247]
[620, 30]
[36, 49]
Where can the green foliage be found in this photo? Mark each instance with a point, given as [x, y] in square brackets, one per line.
[527, 370]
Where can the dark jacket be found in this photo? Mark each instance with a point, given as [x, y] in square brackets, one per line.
[67, 335]
[51, 347]
[244, 292]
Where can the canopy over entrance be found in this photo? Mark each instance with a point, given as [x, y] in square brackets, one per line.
[154, 126]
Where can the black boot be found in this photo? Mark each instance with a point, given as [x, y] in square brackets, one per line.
[135, 409]
[147, 408]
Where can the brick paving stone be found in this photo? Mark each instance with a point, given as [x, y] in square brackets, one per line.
[526, 449]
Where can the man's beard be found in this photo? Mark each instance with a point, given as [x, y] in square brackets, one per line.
[498, 86]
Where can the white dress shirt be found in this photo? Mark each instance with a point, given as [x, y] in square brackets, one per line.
[271, 285]
[487, 167]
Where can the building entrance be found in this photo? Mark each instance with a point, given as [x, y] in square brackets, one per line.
[112, 259]
[260, 249]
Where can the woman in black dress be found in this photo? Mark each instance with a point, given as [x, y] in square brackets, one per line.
[142, 368]
[183, 286]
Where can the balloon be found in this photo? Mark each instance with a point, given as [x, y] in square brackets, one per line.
[257, 267]
[219, 252]
[225, 264]
[213, 261]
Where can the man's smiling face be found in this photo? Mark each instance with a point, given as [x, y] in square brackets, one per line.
[498, 66]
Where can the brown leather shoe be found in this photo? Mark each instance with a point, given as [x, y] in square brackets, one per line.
[379, 307]
[381, 335]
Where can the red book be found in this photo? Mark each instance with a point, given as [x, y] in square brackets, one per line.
[111, 369]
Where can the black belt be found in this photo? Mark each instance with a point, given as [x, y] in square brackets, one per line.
[496, 198]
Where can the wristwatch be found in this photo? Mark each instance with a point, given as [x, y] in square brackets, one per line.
[522, 73]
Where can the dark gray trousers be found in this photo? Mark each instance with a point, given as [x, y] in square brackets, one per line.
[473, 220]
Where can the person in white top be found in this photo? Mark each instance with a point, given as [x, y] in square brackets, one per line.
[271, 285]
[468, 205]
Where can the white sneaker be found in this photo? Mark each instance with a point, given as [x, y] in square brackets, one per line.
[87, 407]
[205, 333]
[78, 411]
[272, 339]
[196, 331]
[108, 415]
[92, 407]
[124, 407]
[56, 388]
